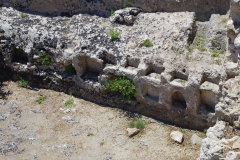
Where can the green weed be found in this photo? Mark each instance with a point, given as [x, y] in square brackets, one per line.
[137, 122]
[121, 85]
[215, 53]
[44, 59]
[69, 102]
[41, 98]
[147, 43]
[22, 83]
[114, 34]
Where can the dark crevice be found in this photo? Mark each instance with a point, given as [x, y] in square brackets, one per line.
[19, 56]
[178, 100]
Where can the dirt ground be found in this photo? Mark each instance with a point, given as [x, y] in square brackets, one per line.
[82, 131]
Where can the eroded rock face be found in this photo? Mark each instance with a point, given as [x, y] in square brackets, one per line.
[168, 85]
[216, 146]
[177, 79]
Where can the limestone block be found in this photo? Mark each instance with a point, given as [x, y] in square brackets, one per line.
[177, 136]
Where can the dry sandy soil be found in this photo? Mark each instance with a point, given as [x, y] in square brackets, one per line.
[83, 131]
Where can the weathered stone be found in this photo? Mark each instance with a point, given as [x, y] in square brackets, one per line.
[233, 155]
[177, 136]
[196, 140]
[132, 131]
[237, 42]
[236, 144]
[211, 147]
[125, 15]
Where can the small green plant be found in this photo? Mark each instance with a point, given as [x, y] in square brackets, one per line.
[112, 12]
[70, 69]
[22, 15]
[44, 59]
[205, 131]
[137, 122]
[126, 4]
[41, 98]
[121, 85]
[147, 43]
[114, 34]
[215, 53]
[69, 102]
[22, 83]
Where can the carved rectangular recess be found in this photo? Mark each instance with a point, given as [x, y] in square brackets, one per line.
[208, 96]
[208, 101]
[150, 92]
[180, 77]
[108, 58]
[154, 71]
[132, 62]
[92, 68]
[207, 77]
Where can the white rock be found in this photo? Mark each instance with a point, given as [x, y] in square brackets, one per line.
[196, 140]
[177, 136]
[132, 131]
[237, 42]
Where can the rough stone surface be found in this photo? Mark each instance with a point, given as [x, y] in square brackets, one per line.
[196, 140]
[215, 146]
[177, 136]
[82, 42]
[127, 15]
[177, 79]
[211, 147]
[132, 131]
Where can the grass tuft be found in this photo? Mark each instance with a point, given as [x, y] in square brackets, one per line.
[216, 53]
[41, 98]
[22, 83]
[69, 102]
[147, 43]
[43, 59]
[114, 34]
[137, 122]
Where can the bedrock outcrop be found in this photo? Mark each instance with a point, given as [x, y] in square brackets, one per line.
[189, 76]
[222, 142]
